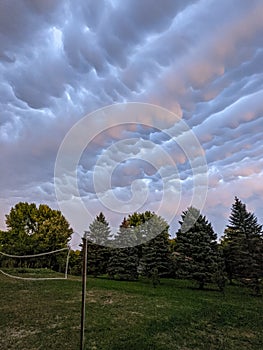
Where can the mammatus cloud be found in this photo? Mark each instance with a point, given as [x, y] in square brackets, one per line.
[152, 168]
[201, 60]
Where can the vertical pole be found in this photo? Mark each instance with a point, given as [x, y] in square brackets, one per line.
[84, 278]
[67, 261]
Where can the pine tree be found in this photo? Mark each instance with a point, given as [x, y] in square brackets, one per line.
[98, 240]
[198, 257]
[123, 262]
[156, 259]
[243, 247]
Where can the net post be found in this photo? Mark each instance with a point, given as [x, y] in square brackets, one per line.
[83, 303]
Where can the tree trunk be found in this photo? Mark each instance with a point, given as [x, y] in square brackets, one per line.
[201, 285]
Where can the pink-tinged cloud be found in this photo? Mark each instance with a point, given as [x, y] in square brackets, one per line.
[202, 60]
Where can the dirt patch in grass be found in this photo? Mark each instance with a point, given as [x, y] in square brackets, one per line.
[19, 333]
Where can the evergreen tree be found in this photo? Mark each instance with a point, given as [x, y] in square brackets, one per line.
[153, 255]
[198, 257]
[123, 262]
[98, 240]
[156, 259]
[243, 246]
[227, 250]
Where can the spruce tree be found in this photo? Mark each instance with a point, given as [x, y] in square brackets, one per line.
[243, 247]
[123, 262]
[198, 257]
[156, 259]
[98, 240]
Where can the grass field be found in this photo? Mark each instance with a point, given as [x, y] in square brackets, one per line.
[127, 315]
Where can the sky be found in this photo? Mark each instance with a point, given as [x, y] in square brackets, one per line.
[167, 93]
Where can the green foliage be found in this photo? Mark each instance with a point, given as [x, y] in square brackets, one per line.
[198, 257]
[138, 221]
[99, 231]
[75, 262]
[151, 258]
[156, 259]
[242, 245]
[172, 243]
[98, 240]
[34, 230]
[123, 262]
[2, 234]
[23, 218]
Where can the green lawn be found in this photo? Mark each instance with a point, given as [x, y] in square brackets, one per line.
[127, 315]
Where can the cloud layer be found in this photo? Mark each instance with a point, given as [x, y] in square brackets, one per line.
[60, 60]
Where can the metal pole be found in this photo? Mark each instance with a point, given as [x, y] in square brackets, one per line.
[84, 278]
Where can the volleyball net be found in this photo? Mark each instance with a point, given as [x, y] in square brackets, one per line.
[26, 267]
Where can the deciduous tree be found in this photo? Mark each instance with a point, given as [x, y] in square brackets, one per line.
[33, 230]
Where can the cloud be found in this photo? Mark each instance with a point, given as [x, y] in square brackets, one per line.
[60, 60]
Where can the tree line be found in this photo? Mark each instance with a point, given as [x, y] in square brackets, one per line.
[143, 247]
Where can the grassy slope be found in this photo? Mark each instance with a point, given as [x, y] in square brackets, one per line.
[127, 315]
